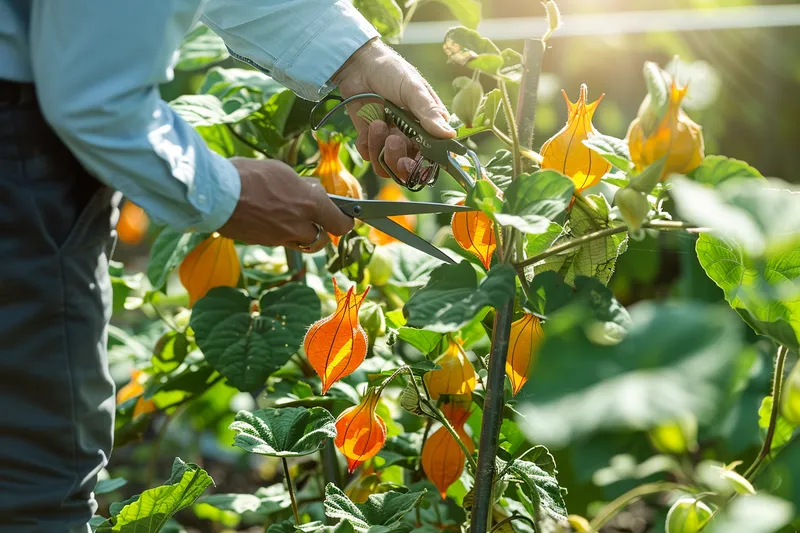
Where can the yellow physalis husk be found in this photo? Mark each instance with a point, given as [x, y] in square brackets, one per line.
[213, 263]
[677, 137]
[391, 192]
[134, 388]
[526, 335]
[565, 151]
[360, 432]
[456, 375]
[332, 174]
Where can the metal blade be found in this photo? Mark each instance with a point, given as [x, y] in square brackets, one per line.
[393, 229]
[380, 208]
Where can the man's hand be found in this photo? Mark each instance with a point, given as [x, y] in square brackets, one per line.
[376, 68]
[279, 208]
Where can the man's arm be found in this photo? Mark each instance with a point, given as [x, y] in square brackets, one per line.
[97, 66]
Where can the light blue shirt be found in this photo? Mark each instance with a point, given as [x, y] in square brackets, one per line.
[97, 65]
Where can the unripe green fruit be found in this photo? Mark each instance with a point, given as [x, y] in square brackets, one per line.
[790, 397]
[633, 205]
[467, 100]
[370, 316]
[688, 515]
[676, 436]
[380, 266]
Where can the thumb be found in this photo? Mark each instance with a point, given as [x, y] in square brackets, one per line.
[419, 98]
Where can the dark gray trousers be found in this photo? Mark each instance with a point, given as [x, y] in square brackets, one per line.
[56, 395]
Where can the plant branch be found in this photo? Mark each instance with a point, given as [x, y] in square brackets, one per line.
[512, 128]
[662, 225]
[290, 486]
[607, 512]
[777, 385]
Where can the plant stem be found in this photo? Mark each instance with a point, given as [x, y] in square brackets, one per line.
[291, 491]
[533, 54]
[607, 512]
[492, 418]
[409, 15]
[777, 385]
[512, 127]
[662, 225]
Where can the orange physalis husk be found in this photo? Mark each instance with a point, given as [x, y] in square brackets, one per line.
[565, 151]
[526, 334]
[337, 344]
[442, 457]
[335, 179]
[133, 389]
[132, 224]
[456, 375]
[391, 192]
[213, 263]
[474, 232]
[360, 432]
[677, 137]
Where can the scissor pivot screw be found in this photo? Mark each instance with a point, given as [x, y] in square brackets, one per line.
[357, 210]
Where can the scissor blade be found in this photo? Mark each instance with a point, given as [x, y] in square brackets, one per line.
[393, 229]
[381, 208]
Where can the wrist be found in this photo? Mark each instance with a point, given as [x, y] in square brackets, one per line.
[369, 52]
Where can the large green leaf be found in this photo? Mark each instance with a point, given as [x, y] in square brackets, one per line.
[247, 348]
[536, 473]
[452, 297]
[534, 200]
[201, 48]
[226, 508]
[149, 511]
[386, 509]
[717, 169]
[764, 292]
[167, 252]
[536, 243]
[385, 15]
[283, 432]
[223, 82]
[500, 168]
[675, 359]
[467, 48]
[762, 216]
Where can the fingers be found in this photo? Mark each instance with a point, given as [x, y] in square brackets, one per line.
[378, 133]
[396, 150]
[420, 99]
[310, 239]
[328, 215]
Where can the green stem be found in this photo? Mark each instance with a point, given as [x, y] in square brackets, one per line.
[777, 385]
[512, 127]
[662, 225]
[290, 486]
[409, 15]
[533, 52]
[607, 512]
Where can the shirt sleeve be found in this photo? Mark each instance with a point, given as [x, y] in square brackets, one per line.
[97, 66]
[299, 43]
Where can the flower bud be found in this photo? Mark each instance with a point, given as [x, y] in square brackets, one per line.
[676, 136]
[565, 151]
[337, 344]
[467, 99]
[526, 335]
[687, 515]
[790, 397]
[213, 263]
[633, 205]
[360, 432]
[456, 375]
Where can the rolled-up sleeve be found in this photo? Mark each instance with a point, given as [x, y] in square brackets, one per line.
[97, 66]
[300, 43]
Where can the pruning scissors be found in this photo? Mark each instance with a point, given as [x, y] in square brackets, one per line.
[434, 153]
[376, 213]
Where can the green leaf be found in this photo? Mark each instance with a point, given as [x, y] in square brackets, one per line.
[675, 359]
[613, 150]
[246, 348]
[539, 483]
[452, 297]
[104, 486]
[385, 15]
[467, 48]
[468, 12]
[758, 513]
[411, 401]
[500, 168]
[548, 293]
[200, 49]
[149, 511]
[763, 216]
[717, 169]
[386, 509]
[283, 432]
[484, 197]
[223, 82]
[609, 320]
[764, 293]
[169, 352]
[783, 429]
[545, 195]
[226, 508]
[537, 243]
[167, 252]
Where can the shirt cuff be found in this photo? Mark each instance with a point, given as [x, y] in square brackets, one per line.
[315, 56]
[219, 204]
